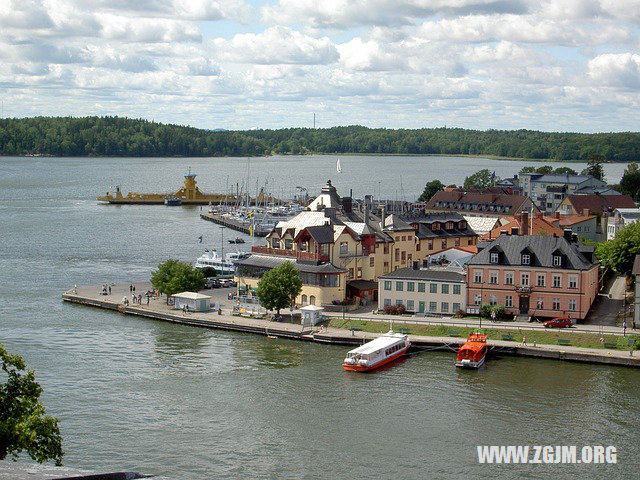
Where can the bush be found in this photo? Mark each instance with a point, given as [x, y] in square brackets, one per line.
[459, 314]
[400, 309]
[485, 310]
[499, 311]
[390, 309]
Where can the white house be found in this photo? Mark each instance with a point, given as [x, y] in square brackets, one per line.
[436, 291]
[196, 302]
[621, 218]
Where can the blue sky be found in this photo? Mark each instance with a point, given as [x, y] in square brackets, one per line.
[553, 65]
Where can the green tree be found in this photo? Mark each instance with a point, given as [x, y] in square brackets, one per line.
[630, 183]
[24, 425]
[279, 287]
[594, 167]
[528, 169]
[620, 252]
[481, 179]
[430, 189]
[174, 276]
[544, 169]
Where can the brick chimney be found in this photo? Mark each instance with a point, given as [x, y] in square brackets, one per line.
[524, 223]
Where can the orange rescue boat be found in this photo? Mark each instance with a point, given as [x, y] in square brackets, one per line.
[474, 352]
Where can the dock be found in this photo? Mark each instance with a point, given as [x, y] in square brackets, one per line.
[233, 224]
[157, 309]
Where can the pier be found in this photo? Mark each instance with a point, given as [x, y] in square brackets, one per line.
[158, 309]
[233, 224]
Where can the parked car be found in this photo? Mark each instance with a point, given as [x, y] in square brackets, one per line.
[212, 283]
[560, 322]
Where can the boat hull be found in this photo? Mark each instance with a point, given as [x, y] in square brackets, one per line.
[471, 364]
[367, 368]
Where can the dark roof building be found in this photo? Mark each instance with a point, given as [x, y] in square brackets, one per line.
[541, 251]
[478, 204]
[594, 203]
[438, 225]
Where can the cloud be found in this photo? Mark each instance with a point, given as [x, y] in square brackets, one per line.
[147, 30]
[369, 56]
[276, 45]
[615, 70]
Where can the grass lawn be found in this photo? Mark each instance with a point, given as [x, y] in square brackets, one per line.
[549, 337]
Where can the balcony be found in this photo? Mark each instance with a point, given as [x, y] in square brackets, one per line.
[524, 289]
[297, 254]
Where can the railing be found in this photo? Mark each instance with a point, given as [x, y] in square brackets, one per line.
[309, 256]
[524, 289]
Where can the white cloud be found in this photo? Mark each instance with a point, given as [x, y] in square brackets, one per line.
[276, 45]
[616, 70]
[369, 56]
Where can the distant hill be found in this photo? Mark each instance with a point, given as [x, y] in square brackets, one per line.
[119, 136]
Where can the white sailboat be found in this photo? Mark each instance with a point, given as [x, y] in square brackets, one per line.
[338, 166]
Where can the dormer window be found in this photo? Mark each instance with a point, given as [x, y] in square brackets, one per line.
[494, 257]
[462, 225]
[525, 259]
[436, 226]
[449, 226]
[557, 261]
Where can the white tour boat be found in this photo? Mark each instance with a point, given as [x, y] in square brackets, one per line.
[211, 259]
[377, 352]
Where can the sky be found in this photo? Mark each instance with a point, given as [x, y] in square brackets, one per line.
[551, 65]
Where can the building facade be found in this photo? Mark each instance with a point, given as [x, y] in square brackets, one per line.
[424, 291]
[534, 276]
[620, 218]
[548, 190]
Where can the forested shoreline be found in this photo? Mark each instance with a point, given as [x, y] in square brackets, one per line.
[125, 137]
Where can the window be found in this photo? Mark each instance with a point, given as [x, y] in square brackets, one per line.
[557, 281]
[404, 257]
[372, 261]
[445, 288]
[557, 261]
[573, 281]
[399, 286]
[556, 304]
[508, 301]
[411, 286]
[572, 305]
[312, 299]
[540, 303]
[385, 249]
[444, 307]
[430, 245]
[275, 243]
[304, 299]
[404, 238]
[444, 243]
[387, 302]
[455, 307]
[508, 278]
[397, 255]
[540, 280]
[359, 272]
[387, 284]
[344, 248]
[477, 276]
[418, 246]
[493, 257]
[524, 279]
[386, 267]
[398, 302]
[433, 306]
[421, 287]
[525, 259]
[288, 244]
[351, 273]
[493, 300]
[433, 288]
[303, 246]
[456, 289]
[324, 249]
[493, 278]
[410, 305]
[586, 229]
[457, 242]
[477, 299]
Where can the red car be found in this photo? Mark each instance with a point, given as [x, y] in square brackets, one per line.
[560, 322]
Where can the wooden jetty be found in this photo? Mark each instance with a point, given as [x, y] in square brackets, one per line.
[233, 224]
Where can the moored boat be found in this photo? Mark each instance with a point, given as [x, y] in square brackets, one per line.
[172, 201]
[474, 352]
[237, 240]
[211, 259]
[377, 352]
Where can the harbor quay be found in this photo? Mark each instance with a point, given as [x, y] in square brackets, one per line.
[157, 308]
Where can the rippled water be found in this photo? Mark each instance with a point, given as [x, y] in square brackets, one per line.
[135, 394]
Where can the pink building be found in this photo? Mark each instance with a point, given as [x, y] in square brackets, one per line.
[534, 275]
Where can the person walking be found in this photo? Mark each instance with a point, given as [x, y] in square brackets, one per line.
[130, 288]
[109, 289]
[524, 341]
[624, 328]
[493, 317]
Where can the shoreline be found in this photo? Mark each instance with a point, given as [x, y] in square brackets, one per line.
[158, 310]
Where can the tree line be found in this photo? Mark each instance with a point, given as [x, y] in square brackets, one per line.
[120, 136]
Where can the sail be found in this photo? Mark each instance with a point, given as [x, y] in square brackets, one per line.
[338, 167]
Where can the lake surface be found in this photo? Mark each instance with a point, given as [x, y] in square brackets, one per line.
[135, 394]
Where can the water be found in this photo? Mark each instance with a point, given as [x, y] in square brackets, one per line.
[135, 394]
